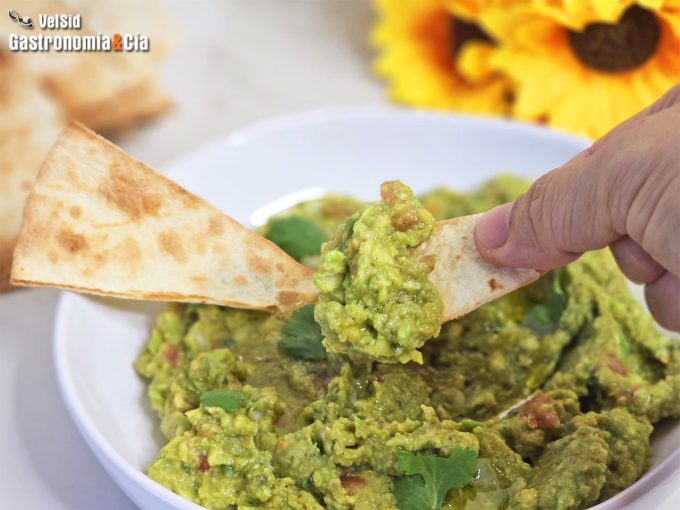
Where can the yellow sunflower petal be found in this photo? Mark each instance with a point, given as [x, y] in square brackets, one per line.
[608, 10]
[416, 57]
[474, 63]
[652, 5]
[672, 19]
[552, 83]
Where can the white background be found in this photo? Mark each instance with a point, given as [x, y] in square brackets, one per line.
[236, 62]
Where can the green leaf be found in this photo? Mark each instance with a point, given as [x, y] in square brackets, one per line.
[428, 477]
[302, 336]
[297, 236]
[544, 318]
[411, 494]
[230, 401]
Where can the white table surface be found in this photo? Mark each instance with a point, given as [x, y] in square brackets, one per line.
[238, 61]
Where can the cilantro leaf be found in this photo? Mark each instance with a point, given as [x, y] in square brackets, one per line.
[230, 401]
[428, 477]
[545, 317]
[302, 336]
[297, 236]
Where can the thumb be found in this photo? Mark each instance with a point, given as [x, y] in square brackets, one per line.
[627, 183]
[553, 223]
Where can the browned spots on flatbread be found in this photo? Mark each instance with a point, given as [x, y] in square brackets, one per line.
[150, 222]
[189, 199]
[26, 185]
[6, 245]
[70, 241]
[131, 249]
[219, 249]
[200, 246]
[287, 280]
[129, 194]
[223, 251]
[75, 211]
[215, 226]
[257, 264]
[289, 299]
[171, 244]
[428, 259]
[494, 284]
[199, 279]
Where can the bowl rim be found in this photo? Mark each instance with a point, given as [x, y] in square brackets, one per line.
[86, 426]
[111, 459]
[305, 118]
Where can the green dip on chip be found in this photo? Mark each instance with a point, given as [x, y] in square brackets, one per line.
[376, 301]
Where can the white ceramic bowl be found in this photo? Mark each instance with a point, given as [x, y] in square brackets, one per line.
[96, 340]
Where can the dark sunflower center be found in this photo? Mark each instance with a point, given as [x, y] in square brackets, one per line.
[618, 47]
[463, 31]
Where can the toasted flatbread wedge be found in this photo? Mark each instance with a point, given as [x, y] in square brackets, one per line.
[100, 222]
[105, 95]
[464, 279]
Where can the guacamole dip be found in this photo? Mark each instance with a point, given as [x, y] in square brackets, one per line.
[257, 413]
[376, 302]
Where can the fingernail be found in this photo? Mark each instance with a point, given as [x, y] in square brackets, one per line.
[493, 228]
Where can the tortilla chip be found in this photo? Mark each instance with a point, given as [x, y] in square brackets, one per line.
[29, 124]
[97, 221]
[106, 97]
[107, 91]
[465, 280]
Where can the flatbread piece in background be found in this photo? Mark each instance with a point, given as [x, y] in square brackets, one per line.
[107, 91]
[106, 95]
[464, 279]
[100, 222]
[29, 124]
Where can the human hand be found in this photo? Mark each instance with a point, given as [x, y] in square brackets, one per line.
[623, 192]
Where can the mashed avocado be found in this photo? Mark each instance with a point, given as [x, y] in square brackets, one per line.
[376, 302]
[590, 367]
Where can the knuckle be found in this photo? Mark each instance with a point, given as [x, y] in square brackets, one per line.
[532, 208]
[669, 99]
[653, 215]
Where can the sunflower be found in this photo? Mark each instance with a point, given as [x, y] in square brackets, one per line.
[434, 55]
[585, 66]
